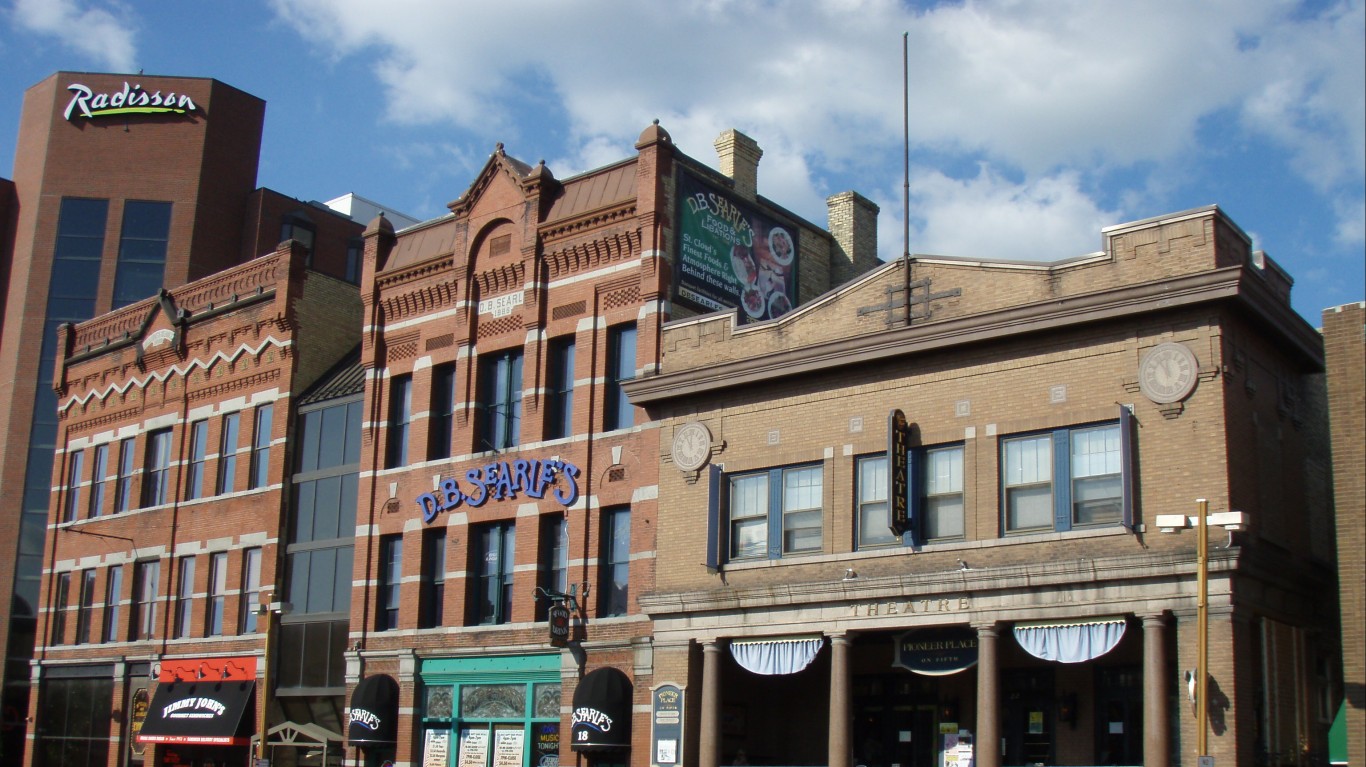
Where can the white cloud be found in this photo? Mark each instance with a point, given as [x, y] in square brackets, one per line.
[106, 36]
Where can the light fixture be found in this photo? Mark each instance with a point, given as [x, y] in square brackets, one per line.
[849, 574]
[963, 565]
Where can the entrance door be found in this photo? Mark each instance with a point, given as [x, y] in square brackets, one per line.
[1119, 715]
[1028, 716]
[895, 734]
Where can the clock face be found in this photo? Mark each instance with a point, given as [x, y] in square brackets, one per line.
[1168, 373]
[692, 446]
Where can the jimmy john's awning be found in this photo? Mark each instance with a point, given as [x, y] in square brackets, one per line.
[374, 711]
[199, 712]
[602, 711]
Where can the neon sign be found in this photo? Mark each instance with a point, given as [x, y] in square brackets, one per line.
[503, 480]
[131, 100]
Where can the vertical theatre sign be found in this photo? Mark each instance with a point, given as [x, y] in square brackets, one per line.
[898, 472]
[730, 255]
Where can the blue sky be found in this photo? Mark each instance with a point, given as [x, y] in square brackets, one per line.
[1033, 125]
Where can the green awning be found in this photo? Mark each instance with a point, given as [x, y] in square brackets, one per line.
[1337, 737]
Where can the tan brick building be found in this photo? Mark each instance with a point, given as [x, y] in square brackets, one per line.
[1020, 579]
[504, 474]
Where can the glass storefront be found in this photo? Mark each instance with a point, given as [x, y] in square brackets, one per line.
[492, 712]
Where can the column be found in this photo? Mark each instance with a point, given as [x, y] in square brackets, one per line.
[709, 739]
[840, 753]
[1156, 675]
[988, 751]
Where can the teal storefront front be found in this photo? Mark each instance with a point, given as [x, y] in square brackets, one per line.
[491, 711]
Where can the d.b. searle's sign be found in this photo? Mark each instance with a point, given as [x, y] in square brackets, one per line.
[366, 719]
[86, 103]
[504, 480]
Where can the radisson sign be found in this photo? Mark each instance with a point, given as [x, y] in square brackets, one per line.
[132, 99]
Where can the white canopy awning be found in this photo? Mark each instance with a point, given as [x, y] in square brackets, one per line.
[1072, 640]
[778, 655]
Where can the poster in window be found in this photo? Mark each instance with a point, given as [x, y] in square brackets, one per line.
[474, 748]
[436, 748]
[547, 744]
[508, 747]
[732, 256]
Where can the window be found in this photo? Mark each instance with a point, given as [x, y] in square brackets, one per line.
[355, 251]
[227, 454]
[97, 480]
[432, 597]
[249, 599]
[158, 468]
[260, 448]
[113, 593]
[621, 367]
[942, 502]
[184, 617]
[142, 251]
[615, 564]
[500, 400]
[874, 515]
[199, 443]
[123, 487]
[73, 486]
[776, 512]
[144, 618]
[390, 581]
[554, 559]
[492, 550]
[400, 410]
[298, 227]
[1065, 478]
[218, 593]
[442, 424]
[59, 608]
[560, 382]
[85, 607]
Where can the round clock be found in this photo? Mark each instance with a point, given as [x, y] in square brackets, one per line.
[1168, 373]
[692, 446]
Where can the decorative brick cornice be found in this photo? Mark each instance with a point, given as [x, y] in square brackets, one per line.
[416, 272]
[423, 300]
[592, 219]
[596, 253]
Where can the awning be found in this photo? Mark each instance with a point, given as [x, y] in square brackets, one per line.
[786, 655]
[199, 713]
[1070, 641]
[374, 711]
[602, 711]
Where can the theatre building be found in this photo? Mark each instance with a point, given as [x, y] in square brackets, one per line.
[161, 628]
[966, 526]
[122, 185]
[508, 490]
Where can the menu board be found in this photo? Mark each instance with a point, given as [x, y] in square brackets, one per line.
[436, 748]
[474, 748]
[732, 256]
[508, 747]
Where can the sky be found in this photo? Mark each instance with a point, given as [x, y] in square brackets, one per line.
[1032, 125]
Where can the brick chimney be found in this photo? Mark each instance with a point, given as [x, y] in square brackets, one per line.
[853, 224]
[740, 161]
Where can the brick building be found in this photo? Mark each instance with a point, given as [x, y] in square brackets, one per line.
[1019, 580]
[1344, 342]
[122, 185]
[504, 476]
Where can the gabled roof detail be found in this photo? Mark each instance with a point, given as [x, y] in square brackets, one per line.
[498, 163]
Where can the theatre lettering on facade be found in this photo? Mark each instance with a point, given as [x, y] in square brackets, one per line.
[1034, 600]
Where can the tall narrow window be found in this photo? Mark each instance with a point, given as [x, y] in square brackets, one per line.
[749, 516]
[874, 517]
[158, 471]
[76, 468]
[143, 623]
[1096, 475]
[249, 601]
[300, 228]
[142, 251]
[400, 411]
[227, 454]
[85, 608]
[621, 367]
[260, 448]
[432, 598]
[59, 609]
[943, 504]
[97, 480]
[616, 561]
[553, 559]
[123, 484]
[218, 593]
[802, 509]
[113, 594]
[184, 616]
[199, 447]
[500, 399]
[1029, 482]
[355, 251]
[390, 581]
[493, 552]
[560, 397]
[442, 422]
